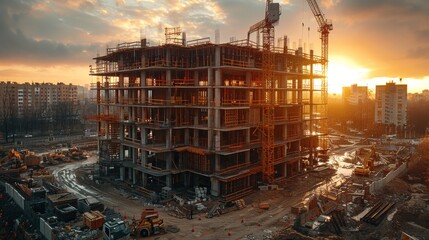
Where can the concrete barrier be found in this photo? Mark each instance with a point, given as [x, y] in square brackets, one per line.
[379, 184]
[15, 195]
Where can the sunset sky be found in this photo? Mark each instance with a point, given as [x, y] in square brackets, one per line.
[373, 41]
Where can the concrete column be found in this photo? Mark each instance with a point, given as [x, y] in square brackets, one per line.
[294, 93]
[143, 91]
[217, 56]
[217, 163]
[121, 152]
[215, 187]
[169, 157]
[122, 173]
[134, 155]
[143, 60]
[134, 176]
[210, 109]
[248, 82]
[144, 179]
[285, 132]
[143, 142]
[286, 170]
[196, 138]
[169, 181]
[130, 173]
[187, 136]
[247, 154]
[217, 101]
[169, 138]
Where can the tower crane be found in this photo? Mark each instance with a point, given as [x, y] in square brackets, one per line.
[272, 16]
[325, 26]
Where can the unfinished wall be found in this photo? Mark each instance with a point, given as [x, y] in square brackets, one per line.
[175, 115]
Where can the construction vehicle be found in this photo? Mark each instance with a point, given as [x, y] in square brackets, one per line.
[149, 224]
[13, 161]
[116, 229]
[367, 163]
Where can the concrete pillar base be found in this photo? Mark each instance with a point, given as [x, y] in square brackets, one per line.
[215, 187]
[122, 173]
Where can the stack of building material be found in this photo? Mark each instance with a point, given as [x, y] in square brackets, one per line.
[93, 219]
[200, 193]
[264, 205]
[200, 206]
[66, 212]
[63, 198]
[377, 213]
[240, 203]
[89, 204]
[166, 193]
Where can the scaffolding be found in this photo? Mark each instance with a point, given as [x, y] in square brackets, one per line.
[190, 115]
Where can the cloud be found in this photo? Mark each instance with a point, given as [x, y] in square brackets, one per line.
[419, 52]
[49, 33]
[388, 36]
[120, 2]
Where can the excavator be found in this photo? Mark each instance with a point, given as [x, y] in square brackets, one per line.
[367, 163]
[12, 162]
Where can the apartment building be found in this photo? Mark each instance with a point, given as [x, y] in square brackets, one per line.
[391, 104]
[355, 95]
[21, 98]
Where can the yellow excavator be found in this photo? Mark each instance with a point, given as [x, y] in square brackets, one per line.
[367, 163]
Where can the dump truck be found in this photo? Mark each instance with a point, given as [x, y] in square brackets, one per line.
[116, 229]
[149, 224]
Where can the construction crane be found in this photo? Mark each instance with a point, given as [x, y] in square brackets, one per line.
[325, 26]
[272, 16]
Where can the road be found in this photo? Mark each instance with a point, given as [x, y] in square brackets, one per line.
[250, 223]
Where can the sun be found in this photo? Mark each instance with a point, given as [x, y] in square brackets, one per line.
[343, 72]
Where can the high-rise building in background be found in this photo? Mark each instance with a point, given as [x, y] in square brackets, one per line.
[19, 99]
[416, 97]
[355, 94]
[391, 104]
[356, 106]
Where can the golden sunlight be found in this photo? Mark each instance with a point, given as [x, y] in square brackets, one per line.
[343, 72]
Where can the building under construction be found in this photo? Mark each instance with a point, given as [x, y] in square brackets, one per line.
[188, 113]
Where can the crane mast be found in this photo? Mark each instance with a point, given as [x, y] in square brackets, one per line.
[272, 15]
[325, 26]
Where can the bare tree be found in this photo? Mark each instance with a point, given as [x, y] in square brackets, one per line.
[8, 115]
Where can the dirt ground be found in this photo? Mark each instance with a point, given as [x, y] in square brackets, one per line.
[410, 193]
[248, 223]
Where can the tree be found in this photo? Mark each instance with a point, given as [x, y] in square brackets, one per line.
[9, 115]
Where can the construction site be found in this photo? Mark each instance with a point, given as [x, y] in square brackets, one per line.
[210, 140]
[224, 116]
